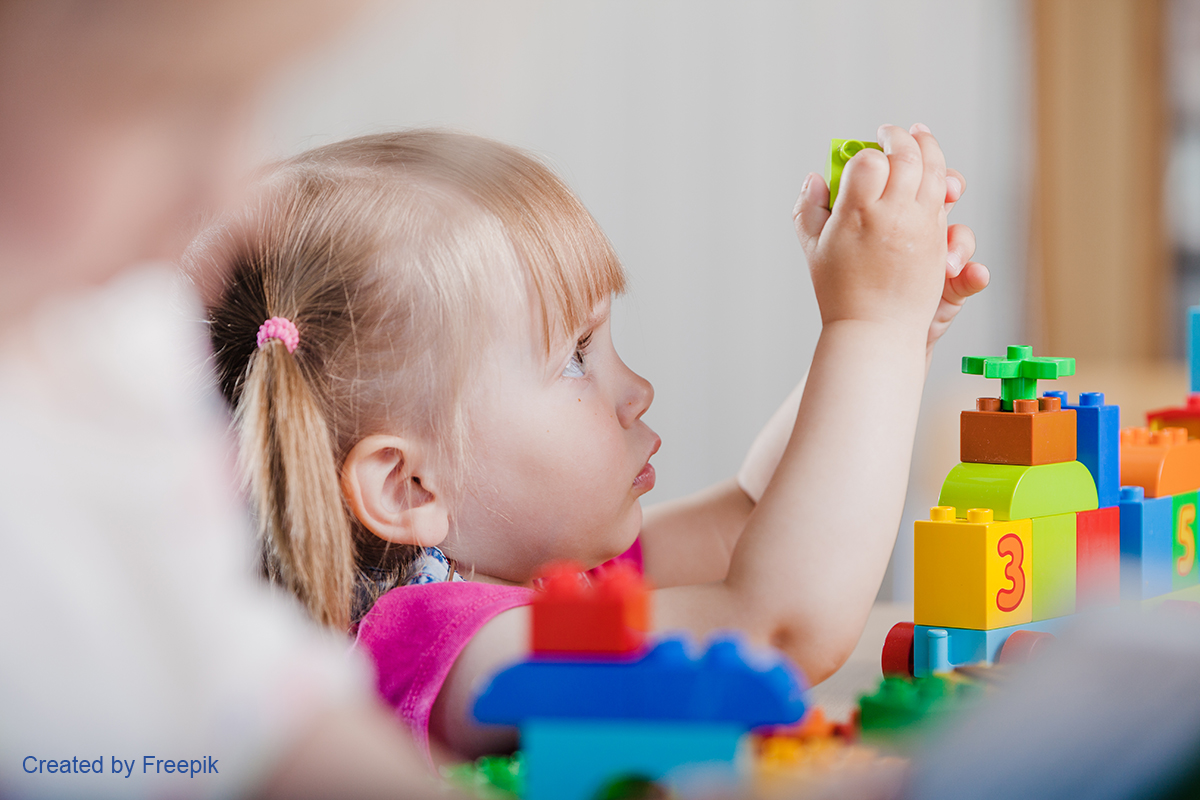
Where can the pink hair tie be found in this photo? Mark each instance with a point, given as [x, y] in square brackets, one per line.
[280, 328]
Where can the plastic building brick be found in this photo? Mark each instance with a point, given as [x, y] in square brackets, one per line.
[1016, 492]
[964, 646]
[587, 722]
[1098, 437]
[1184, 571]
[1018, 372]
[1034, 432]
[1146, 533]
[1161, 462]
[1193, 348]
[973, 573]
[570, 759]
[1097, 558]
[1054, 577]
[900, 703]
[1186, 417]
[609, 615]
[724, 685]
[490, 777]
[840, 152]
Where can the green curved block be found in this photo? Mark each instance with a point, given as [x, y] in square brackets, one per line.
[1013, 491]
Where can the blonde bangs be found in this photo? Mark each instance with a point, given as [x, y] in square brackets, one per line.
[571, 264]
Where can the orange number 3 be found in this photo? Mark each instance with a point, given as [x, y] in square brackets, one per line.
[1187, 539]
[1011, 545]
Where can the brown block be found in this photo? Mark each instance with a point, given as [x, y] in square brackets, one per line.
[1034, 432]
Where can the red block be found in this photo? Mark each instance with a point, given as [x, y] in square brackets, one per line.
[605, 614]
[1097, 558]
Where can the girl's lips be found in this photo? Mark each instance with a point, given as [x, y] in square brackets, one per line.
[645, 478]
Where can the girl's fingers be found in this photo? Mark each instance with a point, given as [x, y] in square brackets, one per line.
[933, 174]
[956, 184]
[906, 162]
[971, 280]
[811, 211]
[960, 246]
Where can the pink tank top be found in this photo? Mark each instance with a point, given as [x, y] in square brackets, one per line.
[414, 634]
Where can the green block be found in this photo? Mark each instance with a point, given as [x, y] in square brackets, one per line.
[490, 777]
[1013, 491]
[901, 704]
[1018, 372]
[1053, 580]
[841, 151]
[1184, 572]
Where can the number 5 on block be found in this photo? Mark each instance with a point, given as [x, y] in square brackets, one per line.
[974, 572]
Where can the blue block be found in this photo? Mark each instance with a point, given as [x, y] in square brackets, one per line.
[1193, 348]
[1146, 527]
[968, 646]
[727, 683]
[573, 760]
[1097, 442]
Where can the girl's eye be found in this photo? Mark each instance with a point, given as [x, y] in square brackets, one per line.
[574, 368]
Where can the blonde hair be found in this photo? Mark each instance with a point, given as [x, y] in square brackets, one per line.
[393, 255]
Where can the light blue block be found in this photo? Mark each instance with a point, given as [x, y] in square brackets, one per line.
[1194, 348]
[574, 760]
[1146, 528]
[968, 646]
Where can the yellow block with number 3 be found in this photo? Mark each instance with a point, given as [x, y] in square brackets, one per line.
[974, 572]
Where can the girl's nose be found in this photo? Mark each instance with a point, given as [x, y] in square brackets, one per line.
[637, 396]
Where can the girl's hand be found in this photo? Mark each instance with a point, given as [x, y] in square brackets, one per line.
[881, 255]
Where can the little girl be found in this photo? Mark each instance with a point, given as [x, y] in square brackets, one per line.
[415, 337]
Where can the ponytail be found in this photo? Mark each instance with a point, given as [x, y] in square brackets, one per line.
[286, 455]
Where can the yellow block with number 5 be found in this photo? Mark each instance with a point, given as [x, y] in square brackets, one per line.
[974, 572]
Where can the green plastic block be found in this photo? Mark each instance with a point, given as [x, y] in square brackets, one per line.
[1013, 491]
[1184, 569]
[841, 151]
[1018, 372]
[490, 777]
[1053, 583]
[900, 704]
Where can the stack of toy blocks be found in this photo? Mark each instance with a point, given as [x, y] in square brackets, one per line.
[597, 704]
[1160, 473]
[1098, 543]
[1003, 550]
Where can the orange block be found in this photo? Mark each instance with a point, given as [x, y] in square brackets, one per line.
[1163, 462]
[1034, 432]
[607, 613]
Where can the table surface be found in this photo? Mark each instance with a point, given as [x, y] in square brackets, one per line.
[838, 694]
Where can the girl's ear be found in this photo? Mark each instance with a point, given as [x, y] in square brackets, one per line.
[392, 488]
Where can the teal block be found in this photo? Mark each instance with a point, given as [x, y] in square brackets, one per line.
[1193, 348]
[967, 646]
[1184, 571]
[1053, 580]
[840, 152]
[577, 760]
[1013, 491]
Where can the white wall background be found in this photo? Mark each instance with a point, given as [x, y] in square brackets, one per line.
[687, 128]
